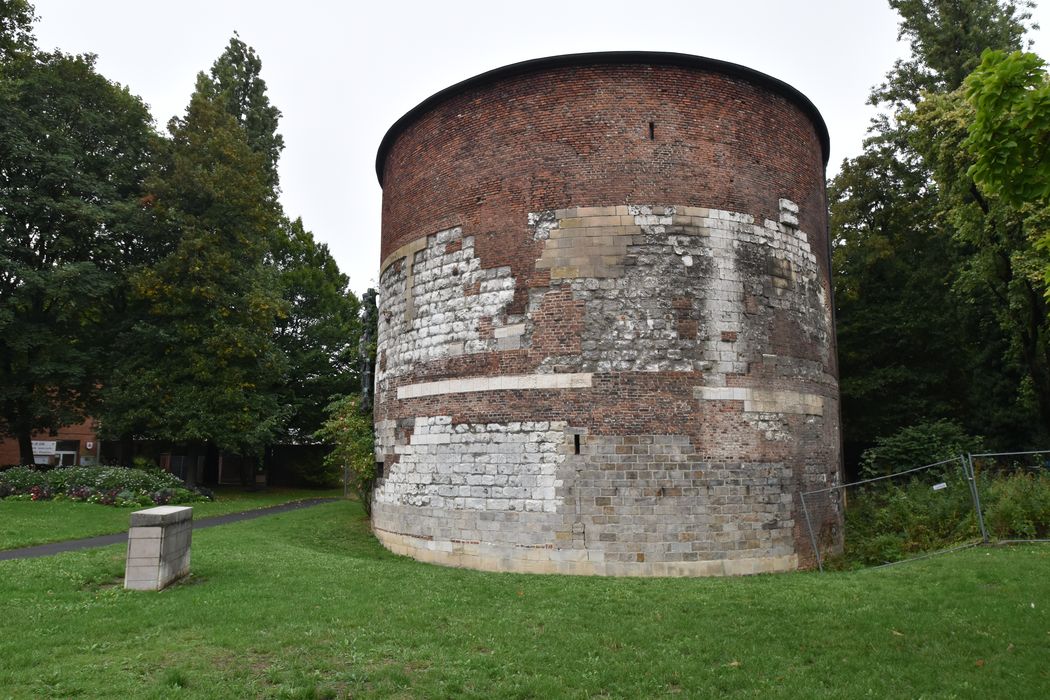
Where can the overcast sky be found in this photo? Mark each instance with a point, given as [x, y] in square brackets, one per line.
[342, 72]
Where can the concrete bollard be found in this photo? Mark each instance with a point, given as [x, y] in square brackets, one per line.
[158, 547]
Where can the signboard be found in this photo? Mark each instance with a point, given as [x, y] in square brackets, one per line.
[44, 447]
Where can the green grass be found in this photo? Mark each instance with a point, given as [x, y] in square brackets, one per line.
[28, 523]
[307, 604]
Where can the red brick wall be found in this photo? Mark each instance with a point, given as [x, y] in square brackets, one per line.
[580, 136]
[84, 432]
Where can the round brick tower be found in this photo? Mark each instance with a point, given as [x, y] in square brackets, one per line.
[605, 322]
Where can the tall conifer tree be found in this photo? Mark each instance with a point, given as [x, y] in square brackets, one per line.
[202, 366]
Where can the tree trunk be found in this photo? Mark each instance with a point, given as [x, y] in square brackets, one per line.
[191, 464]
[25, 447]
[211, 464]
[127, 449]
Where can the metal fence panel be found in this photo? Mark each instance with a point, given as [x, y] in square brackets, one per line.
[904, 516]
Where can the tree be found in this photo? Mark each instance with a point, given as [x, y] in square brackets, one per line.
[1009, 134]
[917, 341]
[946, 39]
[1003, 262]
[16, 29]
[74, 150]
[319, 333]
[235, 82]
[201, 365]
[899, 329]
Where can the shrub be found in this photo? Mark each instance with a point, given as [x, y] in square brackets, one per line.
[79, 493]
[349, 431]
[1018, 506]
[107, 485]
[889, 521]
[917, 445]
[40, 493]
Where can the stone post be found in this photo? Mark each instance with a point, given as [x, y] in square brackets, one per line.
[158, 547]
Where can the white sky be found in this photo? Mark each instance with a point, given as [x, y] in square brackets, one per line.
[342, 73]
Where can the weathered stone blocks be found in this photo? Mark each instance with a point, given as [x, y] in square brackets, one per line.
[158, 547]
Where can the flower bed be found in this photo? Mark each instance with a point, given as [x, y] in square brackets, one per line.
[111, 486]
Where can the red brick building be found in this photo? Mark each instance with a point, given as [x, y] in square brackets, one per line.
[71, 445]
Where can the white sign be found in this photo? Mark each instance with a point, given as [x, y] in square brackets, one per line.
[44, 447]
[89, 445]
[938, 487]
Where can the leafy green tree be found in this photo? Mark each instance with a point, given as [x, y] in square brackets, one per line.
[1002, 265]
[319, 329]
[319, 332]
[919, 338]
[201, 364]
[349, 430]
[235, 82]
[1009, 134]
[946, 39]
[16, 29]
[74, 150]
[899, 329]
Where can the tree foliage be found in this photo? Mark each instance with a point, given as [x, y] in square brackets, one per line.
[1009, 133]
[1002, 274]
[349, 430]
[319, 329]
[245, 332]
[16, 29]
[201, 364]
[936, 314]
[319, 333]
[235, 82]
[946, 39]
[74, 151]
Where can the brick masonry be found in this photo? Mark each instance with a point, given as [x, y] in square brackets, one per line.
[609, 350]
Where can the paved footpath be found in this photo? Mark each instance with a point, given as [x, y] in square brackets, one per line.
[46, 550]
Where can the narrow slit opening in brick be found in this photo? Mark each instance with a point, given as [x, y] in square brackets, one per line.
[576, 442]
[652, 131]
[379, 470]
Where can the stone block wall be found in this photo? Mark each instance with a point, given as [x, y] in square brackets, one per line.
[158, 547]
[611, 375]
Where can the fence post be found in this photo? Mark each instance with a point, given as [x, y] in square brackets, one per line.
[812, 537]
[971, 477]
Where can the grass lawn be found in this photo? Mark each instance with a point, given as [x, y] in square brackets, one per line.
[25, 523]
[306, 604]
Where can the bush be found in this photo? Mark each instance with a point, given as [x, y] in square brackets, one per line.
[917, 445]
[107, 485]
[888, 522]
[21, 479]
[1018, 506]
[349, 431]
